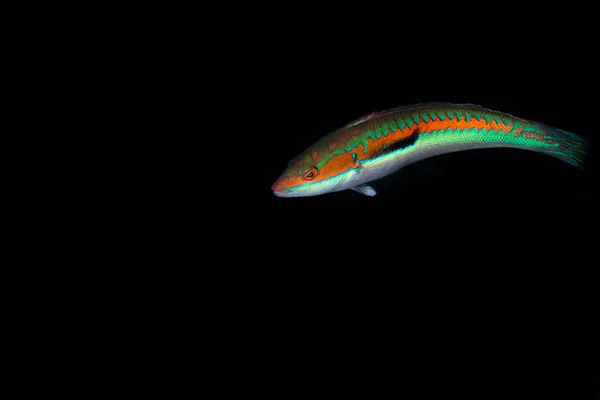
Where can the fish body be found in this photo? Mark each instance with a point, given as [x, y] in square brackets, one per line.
[381, 143]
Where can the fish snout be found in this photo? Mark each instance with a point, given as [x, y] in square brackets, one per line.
[278, 188]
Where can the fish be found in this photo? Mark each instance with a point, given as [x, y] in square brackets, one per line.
[381, 143]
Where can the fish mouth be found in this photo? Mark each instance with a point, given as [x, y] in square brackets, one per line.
[279, 190]
[286, 193]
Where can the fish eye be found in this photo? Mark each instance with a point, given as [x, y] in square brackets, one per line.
[310, 174]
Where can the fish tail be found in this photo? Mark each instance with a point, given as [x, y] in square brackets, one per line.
[569, 147]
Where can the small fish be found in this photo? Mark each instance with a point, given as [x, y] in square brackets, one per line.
[381, 143]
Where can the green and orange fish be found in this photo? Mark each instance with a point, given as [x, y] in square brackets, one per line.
[381, 143]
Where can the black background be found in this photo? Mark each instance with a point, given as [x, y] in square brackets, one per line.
[483, 261]
[469, 274]
[472, 272]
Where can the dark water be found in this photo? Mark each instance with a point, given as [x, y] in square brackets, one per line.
[468, 272]
[485, 259]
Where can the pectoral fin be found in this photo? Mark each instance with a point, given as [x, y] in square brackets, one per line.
[365, 189]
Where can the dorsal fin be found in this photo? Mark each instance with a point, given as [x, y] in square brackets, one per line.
[362, 119]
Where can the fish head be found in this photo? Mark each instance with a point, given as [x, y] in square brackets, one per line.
[315, 172]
